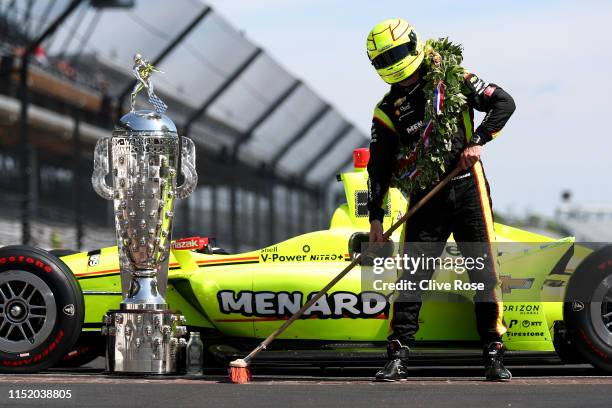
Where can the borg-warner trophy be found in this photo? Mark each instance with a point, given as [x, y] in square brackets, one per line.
[143, 336]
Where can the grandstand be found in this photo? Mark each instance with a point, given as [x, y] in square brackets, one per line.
[268, 146]
[588, 223]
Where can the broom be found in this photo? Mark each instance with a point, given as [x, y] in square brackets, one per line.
[239, 371]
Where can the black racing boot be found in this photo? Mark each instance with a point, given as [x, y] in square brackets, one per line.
[493, 356]
[397, 358]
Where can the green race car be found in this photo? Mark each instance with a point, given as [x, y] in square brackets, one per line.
[52, 304]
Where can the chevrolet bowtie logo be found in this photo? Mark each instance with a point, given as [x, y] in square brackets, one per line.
[508, 283]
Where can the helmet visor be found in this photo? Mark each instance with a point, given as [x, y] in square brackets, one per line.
[394, 55]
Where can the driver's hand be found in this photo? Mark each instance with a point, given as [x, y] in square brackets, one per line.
[376, 231]
[470, 156]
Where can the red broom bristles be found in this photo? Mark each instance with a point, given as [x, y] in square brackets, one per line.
[239, 372]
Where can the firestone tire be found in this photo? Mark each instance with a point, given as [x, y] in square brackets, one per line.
[41, 309]
[588, 309]
[89, 346]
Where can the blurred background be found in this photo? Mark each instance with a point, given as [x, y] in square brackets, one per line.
[272, 128]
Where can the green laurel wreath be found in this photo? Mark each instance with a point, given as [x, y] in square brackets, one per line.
[424, 165]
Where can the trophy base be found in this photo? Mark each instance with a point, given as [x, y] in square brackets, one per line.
[144, 341]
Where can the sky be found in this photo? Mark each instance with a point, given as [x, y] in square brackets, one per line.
[553, 57]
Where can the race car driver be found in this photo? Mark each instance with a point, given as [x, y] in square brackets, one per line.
[462, 208]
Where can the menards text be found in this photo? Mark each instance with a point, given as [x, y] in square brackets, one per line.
[279, 304]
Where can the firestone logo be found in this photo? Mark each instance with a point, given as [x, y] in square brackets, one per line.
[525, 334]
[26, 260]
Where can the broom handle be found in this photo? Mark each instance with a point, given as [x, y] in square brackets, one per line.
[351, 265]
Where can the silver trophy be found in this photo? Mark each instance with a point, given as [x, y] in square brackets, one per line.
[143, 155]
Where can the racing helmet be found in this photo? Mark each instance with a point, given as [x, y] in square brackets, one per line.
[394, 50]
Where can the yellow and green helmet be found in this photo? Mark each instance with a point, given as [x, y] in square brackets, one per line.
[394, 50]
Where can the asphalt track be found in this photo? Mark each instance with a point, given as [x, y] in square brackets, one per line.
[532, 386]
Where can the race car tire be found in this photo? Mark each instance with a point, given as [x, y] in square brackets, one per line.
[41, 309]
[87, 348]
[588, 309]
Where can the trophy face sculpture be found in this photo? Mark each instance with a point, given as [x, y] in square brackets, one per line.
[142, 156]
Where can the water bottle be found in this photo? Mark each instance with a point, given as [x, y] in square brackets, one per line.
[195, 353]
[181, 361]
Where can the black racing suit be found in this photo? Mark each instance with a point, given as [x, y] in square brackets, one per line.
[462, 208]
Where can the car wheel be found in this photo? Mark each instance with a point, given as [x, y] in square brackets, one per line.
[89, 346]
[41, 309]
[588, 309]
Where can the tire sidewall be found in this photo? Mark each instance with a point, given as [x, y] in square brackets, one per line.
[577, 310]
[88, 347]
[69, 319]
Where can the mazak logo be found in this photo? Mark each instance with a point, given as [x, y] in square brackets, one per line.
[189, 243]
